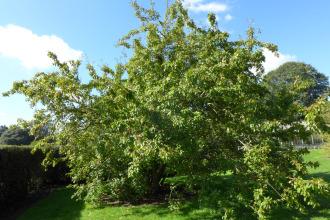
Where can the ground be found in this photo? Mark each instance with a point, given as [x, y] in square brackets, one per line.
[59, 206]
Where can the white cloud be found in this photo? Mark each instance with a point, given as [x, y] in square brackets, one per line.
[272, 61]
[202, 6]
[31, 49]
[228, 17]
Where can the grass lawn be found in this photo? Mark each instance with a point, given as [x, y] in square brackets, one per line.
[59, 206]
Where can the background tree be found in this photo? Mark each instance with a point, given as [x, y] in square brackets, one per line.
[300, 77]
[327, 113]
[3, 128]
[15, 135]
[326, 135]
[192, 107]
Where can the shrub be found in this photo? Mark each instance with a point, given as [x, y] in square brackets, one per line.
[21, 172]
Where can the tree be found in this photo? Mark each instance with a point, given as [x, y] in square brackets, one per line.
[191, 106]
[3, 128]
[310, 83]
[16, 136]
[327, 113]
[326, 116]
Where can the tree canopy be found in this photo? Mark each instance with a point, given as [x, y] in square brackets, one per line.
[190, 105]
[309, 83]
[15, 135]
[3, 128]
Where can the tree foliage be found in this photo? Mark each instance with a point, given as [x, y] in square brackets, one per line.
[326, 116]
[3, 128]
[305, 79]
[190, 106]
[15, 135]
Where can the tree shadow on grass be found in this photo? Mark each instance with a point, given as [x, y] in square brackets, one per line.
[58, 205]
[324, 175]
[161, 210]
[190, 210]
[194, 210]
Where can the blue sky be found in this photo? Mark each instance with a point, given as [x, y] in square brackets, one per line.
[89, 30]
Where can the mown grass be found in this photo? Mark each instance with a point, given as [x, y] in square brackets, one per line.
[323, 157]
[59, 206]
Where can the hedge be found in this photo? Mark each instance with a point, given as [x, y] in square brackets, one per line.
[21, 173]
